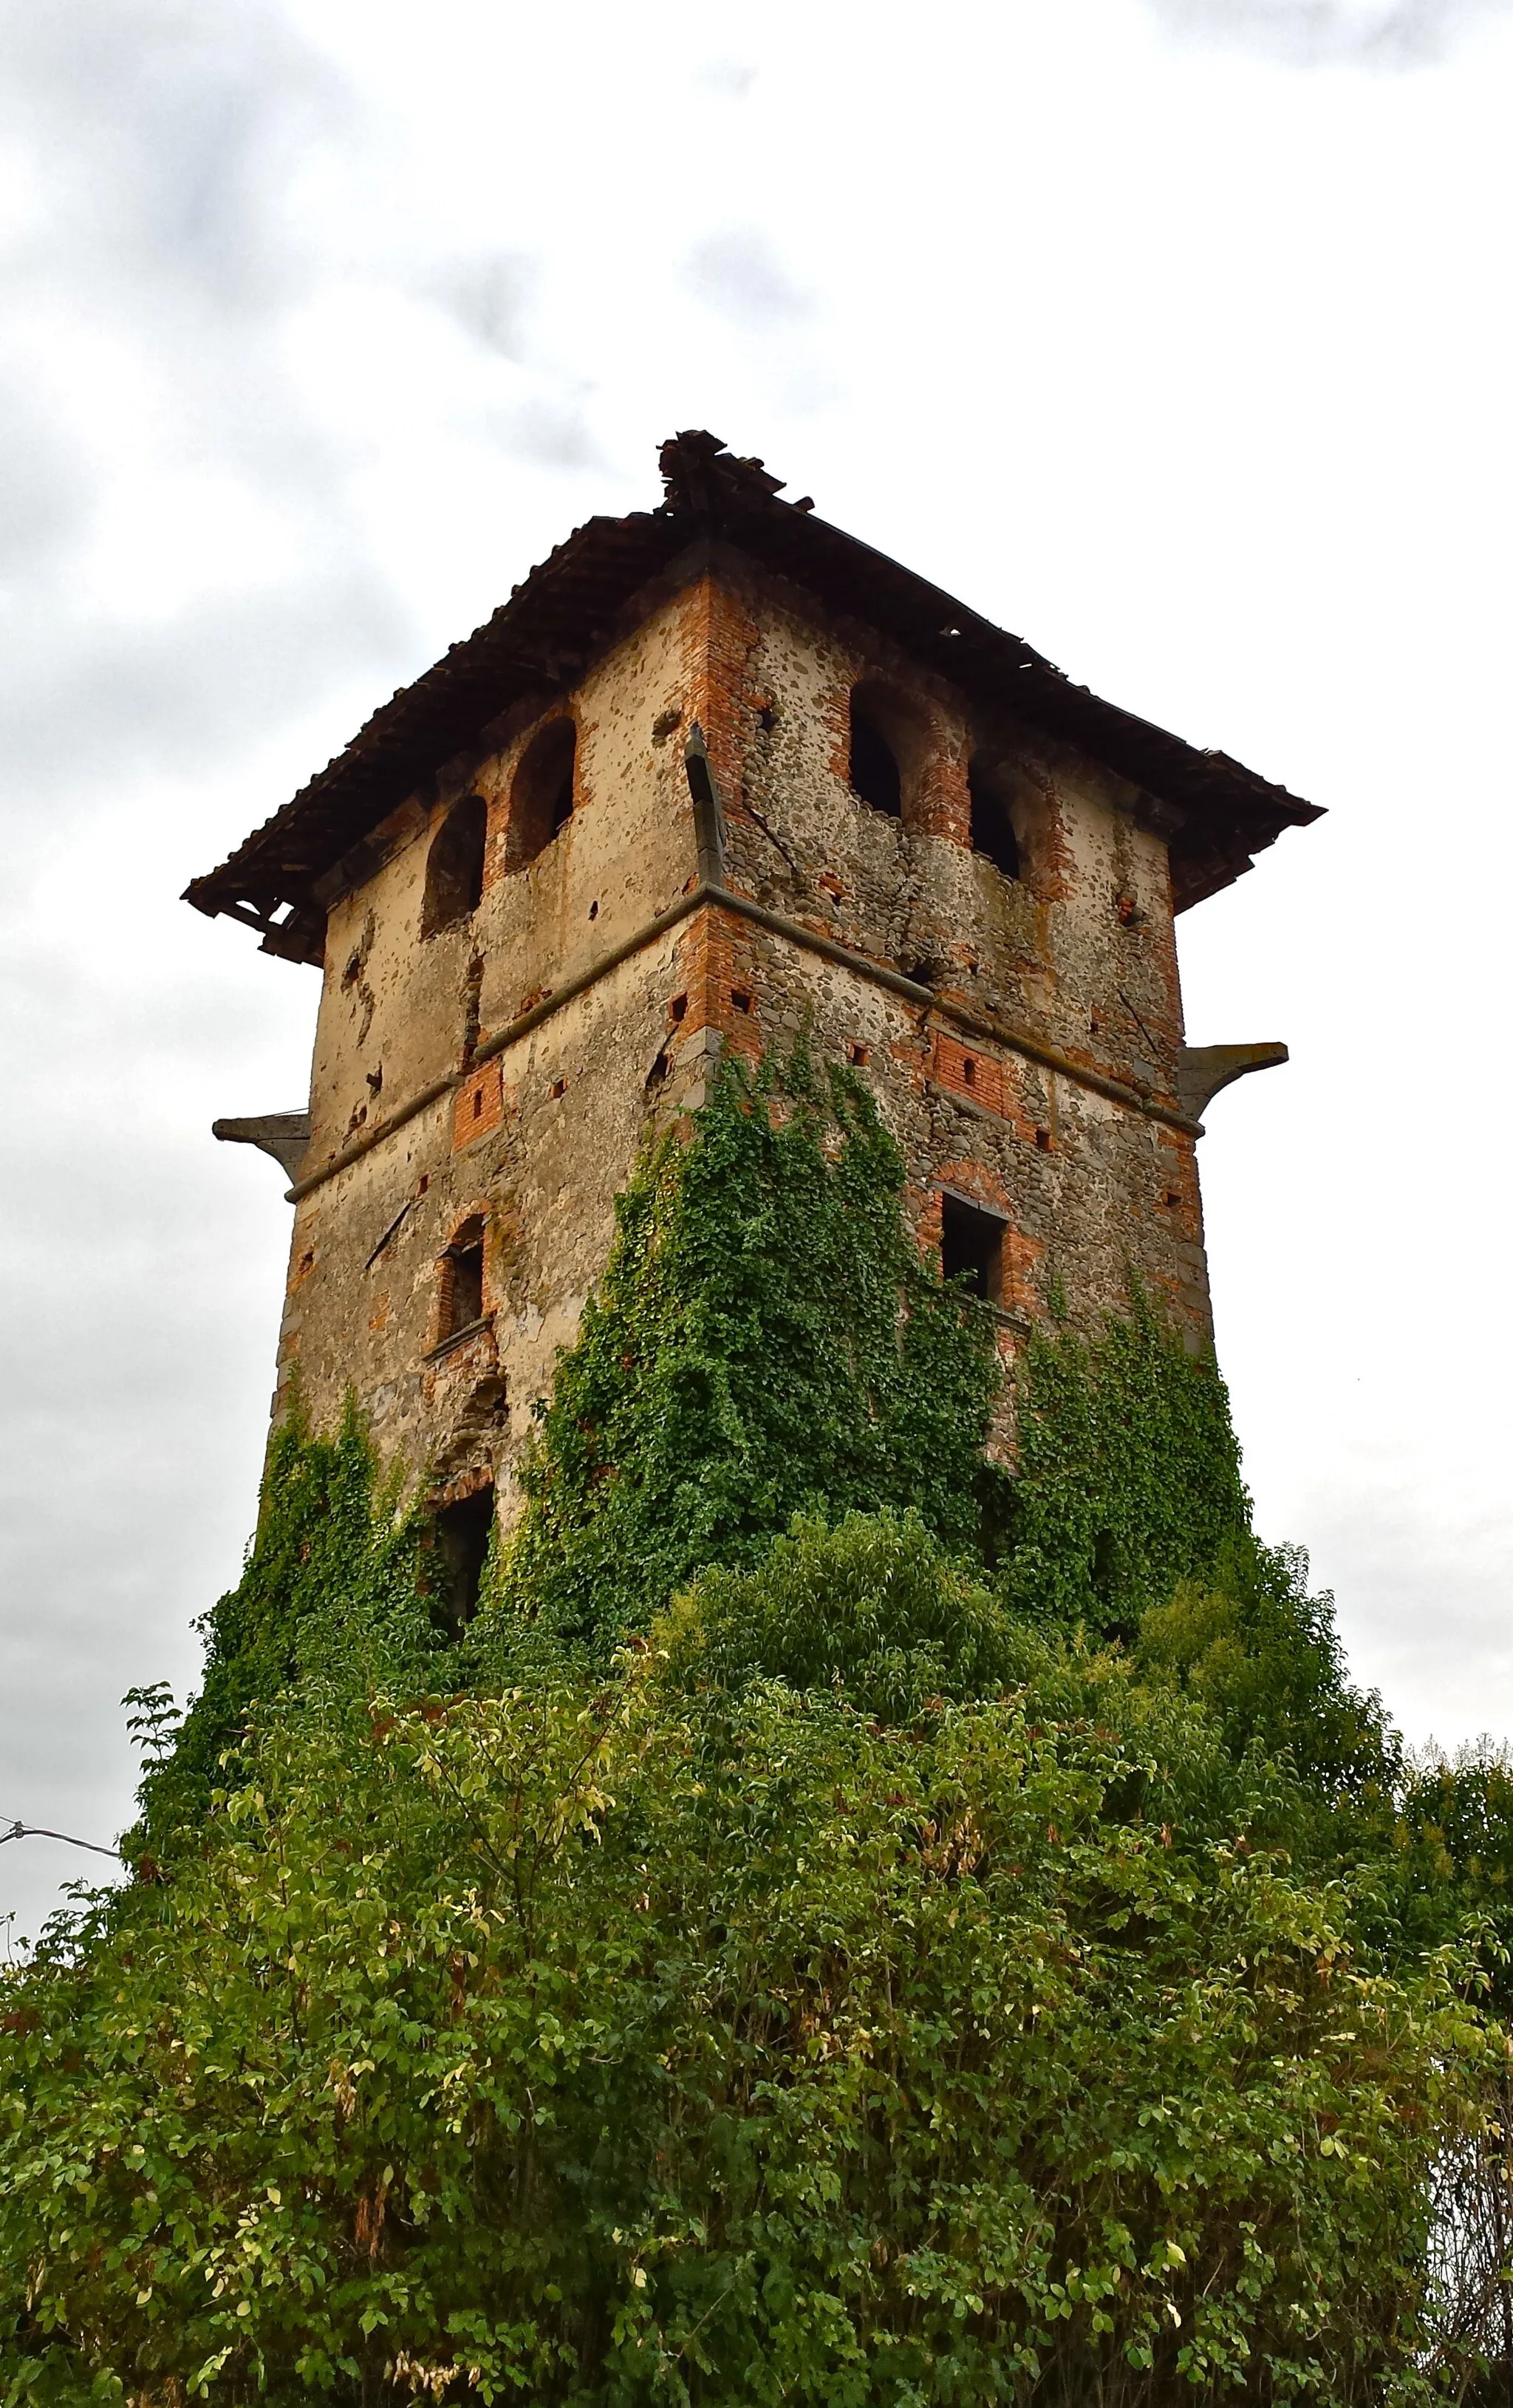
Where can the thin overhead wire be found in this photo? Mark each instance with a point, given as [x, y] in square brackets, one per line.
[38, 1831]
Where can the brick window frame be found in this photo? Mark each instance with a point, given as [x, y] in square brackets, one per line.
[462, 1299]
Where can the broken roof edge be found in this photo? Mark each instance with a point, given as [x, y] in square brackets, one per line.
[547, 632]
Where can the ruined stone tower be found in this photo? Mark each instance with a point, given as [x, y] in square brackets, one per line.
[714, 773]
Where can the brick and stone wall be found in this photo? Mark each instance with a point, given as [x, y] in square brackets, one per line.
[1021, 1035]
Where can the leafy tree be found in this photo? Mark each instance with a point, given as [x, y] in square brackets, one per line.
[874, 1609]
[644, 2041]
[1265, 1655]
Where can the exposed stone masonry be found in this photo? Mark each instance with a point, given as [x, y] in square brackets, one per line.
[489, 1084]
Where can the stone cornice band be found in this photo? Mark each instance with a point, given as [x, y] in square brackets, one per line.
[708, 895]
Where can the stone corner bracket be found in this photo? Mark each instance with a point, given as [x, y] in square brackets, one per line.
[1203, 1069]
[284, 1135]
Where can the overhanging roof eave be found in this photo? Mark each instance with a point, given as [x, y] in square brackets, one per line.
[544, 636]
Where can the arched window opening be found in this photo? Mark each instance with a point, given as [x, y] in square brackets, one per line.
[992, 827]
[462, 1277]
[972, 1247]
[541, 798]
[454, 867]
[463, 1531]
[874, 773]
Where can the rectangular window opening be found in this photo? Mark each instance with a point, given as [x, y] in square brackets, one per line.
[972, 1246]
[463, 1532]
[678, 1006]
[466, 1295]
[739, 997]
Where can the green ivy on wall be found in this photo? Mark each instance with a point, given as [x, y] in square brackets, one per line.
[766, 1340]
[766, 1343]
[1128, 1471]
[332, 1577]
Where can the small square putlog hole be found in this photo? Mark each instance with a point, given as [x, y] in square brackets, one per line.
[972, 1246]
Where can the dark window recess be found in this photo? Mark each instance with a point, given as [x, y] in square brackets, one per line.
[454, 866]
[874, 766]
[993, 829]
[465, 1288]
[541, 796]
[1108, 1566]
[463, 1532]
[972, 1245]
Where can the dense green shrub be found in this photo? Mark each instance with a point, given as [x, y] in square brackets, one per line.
[873, 1609]
[1265, 1655]
[629, 2041]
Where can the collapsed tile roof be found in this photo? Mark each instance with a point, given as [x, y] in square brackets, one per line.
[1217, 812]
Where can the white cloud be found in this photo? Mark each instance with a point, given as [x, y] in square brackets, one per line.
[1379, 33]
[323, 321]
[738, 273]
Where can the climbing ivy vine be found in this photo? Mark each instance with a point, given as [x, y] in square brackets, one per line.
[332, 1581]
[1129, 1475]
[767, 1341]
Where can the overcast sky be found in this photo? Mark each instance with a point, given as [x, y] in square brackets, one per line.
[1170, 334]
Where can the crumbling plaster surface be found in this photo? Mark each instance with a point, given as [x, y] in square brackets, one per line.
[1081, 951]
[1078, 957]
[395, 1004]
